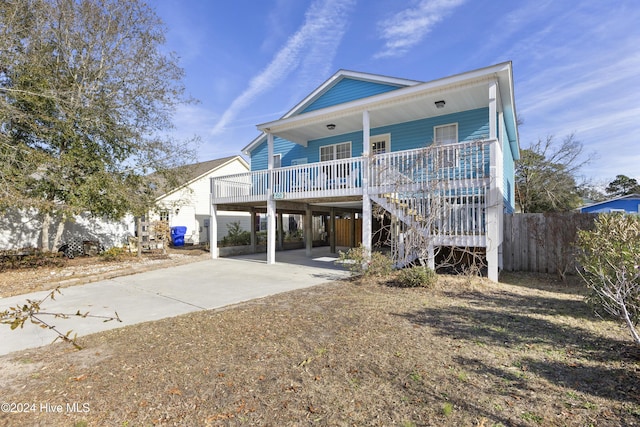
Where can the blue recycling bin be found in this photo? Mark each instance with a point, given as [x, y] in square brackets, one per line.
[177, 235]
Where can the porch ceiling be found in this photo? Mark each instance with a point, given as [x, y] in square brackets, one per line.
[405, 105]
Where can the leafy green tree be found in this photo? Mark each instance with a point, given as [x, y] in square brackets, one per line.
[610, 259]
[622, 186]
[86, 94]
[546, 175]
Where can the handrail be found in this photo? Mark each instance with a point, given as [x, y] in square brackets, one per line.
[464, 161]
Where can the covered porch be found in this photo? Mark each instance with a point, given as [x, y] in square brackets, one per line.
[451, 194]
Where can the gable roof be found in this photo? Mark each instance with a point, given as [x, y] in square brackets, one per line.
[195, 171]
[464, 91]
[604, 202]
[337, 78]
[329, 84]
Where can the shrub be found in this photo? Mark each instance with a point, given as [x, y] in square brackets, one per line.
[236, 236]
[114, 254]
[29, 258]
[610, 259]
[417, 277]
[377, 265]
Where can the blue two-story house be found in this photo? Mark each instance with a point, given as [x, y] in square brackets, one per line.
[436, 158]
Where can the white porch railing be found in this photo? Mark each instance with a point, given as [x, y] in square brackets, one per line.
[450, 170]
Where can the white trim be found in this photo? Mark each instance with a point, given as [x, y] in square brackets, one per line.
[472, 77]
[279, 157]
[386, 137]
[447, 161]
[628, 196]
[444, 126]
[180, 187]
[502, 72]
[299, 161]
[334, 150]
[341, 75]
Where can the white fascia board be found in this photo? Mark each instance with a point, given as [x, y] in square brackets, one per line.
[415, 87]
[396, 95]
[180, 187]
[253, 144]
[628, 196]
[341, 74]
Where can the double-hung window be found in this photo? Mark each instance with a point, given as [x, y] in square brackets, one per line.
[335, 151]
[380, 144]
[443, 136]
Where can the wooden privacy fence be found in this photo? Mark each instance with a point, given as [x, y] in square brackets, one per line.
[543, 242]
[344, 232]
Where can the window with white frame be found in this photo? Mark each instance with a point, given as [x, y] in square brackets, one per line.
[277, 161]
[380, 144]
[447, 135]
[335, 151]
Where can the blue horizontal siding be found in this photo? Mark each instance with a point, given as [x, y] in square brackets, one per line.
[508, 167]
[288, 151]
[348, 90]
[472, 125]
[629, 205]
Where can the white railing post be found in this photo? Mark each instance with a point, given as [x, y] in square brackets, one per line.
[366, 199]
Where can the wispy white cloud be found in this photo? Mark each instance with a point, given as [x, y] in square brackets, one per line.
[324, 25]
[410, 26]
[576, 72]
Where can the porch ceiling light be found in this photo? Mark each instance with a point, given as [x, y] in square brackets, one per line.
[440, 104]
[331, 126]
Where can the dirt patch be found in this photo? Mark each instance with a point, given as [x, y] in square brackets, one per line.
[469, 353]
[81, 270]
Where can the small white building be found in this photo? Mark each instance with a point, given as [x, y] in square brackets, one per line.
[189, 204]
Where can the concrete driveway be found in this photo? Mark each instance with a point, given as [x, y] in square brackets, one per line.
[171, 292]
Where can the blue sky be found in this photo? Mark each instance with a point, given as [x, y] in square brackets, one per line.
[576, 63]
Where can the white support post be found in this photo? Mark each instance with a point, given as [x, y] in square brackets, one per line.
[271, 231]
[366, 200]
[431, 257]
[213, 230]
[253, 230]
[332, 230]
[494, 198]
[271, 206]
[366, 223]
[308, 230]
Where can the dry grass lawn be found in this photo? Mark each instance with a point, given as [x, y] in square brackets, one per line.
[525, 352]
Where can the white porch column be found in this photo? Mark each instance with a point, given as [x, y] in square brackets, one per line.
[213, 230]
[271, 206]
[494, 198]
[308, 230]
[352, 234]
[366, 200]
[332, 230]
[271, 230]
[253, 230]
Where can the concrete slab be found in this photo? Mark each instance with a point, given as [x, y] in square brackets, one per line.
[171, 292]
